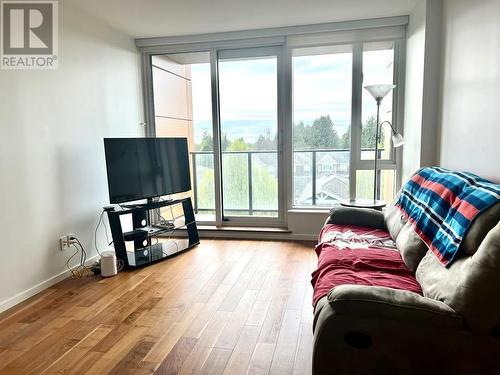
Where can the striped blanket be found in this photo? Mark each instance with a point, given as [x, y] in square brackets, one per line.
[442, 204]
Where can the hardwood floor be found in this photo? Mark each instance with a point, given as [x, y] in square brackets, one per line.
[224, 307]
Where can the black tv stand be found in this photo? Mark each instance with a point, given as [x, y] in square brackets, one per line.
[136, 248]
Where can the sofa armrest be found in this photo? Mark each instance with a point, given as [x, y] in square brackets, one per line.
[392, 304]
[363, 217]
[377, 330]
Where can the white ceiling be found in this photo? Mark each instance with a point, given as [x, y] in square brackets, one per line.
[148, 18]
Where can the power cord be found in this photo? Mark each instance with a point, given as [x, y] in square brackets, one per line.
[81, 270]
[105, 232]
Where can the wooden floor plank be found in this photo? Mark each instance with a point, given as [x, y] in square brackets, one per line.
[242, 353]
[226, 306]
[233, 329]
[303, 358]
[79, 352]
[216, 362]
[284, 354]
[194, 362]
[261, 359]
[174, 360]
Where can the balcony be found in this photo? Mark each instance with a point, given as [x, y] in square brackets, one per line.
[250, 179]
[321, 178]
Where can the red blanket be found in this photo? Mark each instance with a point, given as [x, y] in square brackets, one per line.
[359, 256]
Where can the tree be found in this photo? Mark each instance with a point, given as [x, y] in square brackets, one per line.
[265, 143]
[368, 134]
[206, 192]
[207, 142]
[323, 133]
[345, 140]
[264, 187]
[320, 134]
[299, 136]
[238, 145]
[224, 142]
[235, 179]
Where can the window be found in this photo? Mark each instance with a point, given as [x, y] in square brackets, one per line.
[322, 78]
[378, 67]
[364, 184]
[280, 122]
[322, 118]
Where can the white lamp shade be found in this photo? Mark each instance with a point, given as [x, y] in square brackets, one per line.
[379, 91]
[397, 140]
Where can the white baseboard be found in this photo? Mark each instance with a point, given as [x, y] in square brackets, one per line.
[24, 295]
[250, 235]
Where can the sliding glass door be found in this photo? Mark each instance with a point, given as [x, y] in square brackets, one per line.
[248, 107]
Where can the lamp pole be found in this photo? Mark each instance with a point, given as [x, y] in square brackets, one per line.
[379, 92]
[379, 100]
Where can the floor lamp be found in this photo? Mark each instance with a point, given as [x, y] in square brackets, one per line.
[379, 92]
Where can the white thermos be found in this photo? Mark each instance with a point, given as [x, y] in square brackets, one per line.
[108, 264]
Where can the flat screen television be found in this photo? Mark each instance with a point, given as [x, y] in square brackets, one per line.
[140, 168]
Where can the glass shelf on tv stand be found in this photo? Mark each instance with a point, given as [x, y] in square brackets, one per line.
[160, 229]
[157, 251]
[163, 248]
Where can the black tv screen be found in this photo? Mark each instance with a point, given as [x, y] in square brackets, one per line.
[140, 168]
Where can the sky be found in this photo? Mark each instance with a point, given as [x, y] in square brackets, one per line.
[321, 86]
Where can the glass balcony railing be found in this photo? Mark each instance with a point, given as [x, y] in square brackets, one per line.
[250, 180]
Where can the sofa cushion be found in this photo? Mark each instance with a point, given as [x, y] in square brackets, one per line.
[352, 259]
[361, 217]
[471, 285]
[394, 219]
[479, 228]
[411, 246]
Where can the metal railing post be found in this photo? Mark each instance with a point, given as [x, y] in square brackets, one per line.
[250, 206]
[313, 173]
[195, 184]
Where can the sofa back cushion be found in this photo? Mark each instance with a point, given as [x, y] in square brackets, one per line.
[409, 244]
[394, 219]
[470, 285]
[479, 228]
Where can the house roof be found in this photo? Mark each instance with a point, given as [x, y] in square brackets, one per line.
[333, 186]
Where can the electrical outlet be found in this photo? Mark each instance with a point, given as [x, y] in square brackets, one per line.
[65, 241]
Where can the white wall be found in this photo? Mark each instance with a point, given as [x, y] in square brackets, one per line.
[431, 87]
[414, 84]
[52, 169]
[470, 125]
[423, 53]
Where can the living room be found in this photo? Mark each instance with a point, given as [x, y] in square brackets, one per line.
[176, 174]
